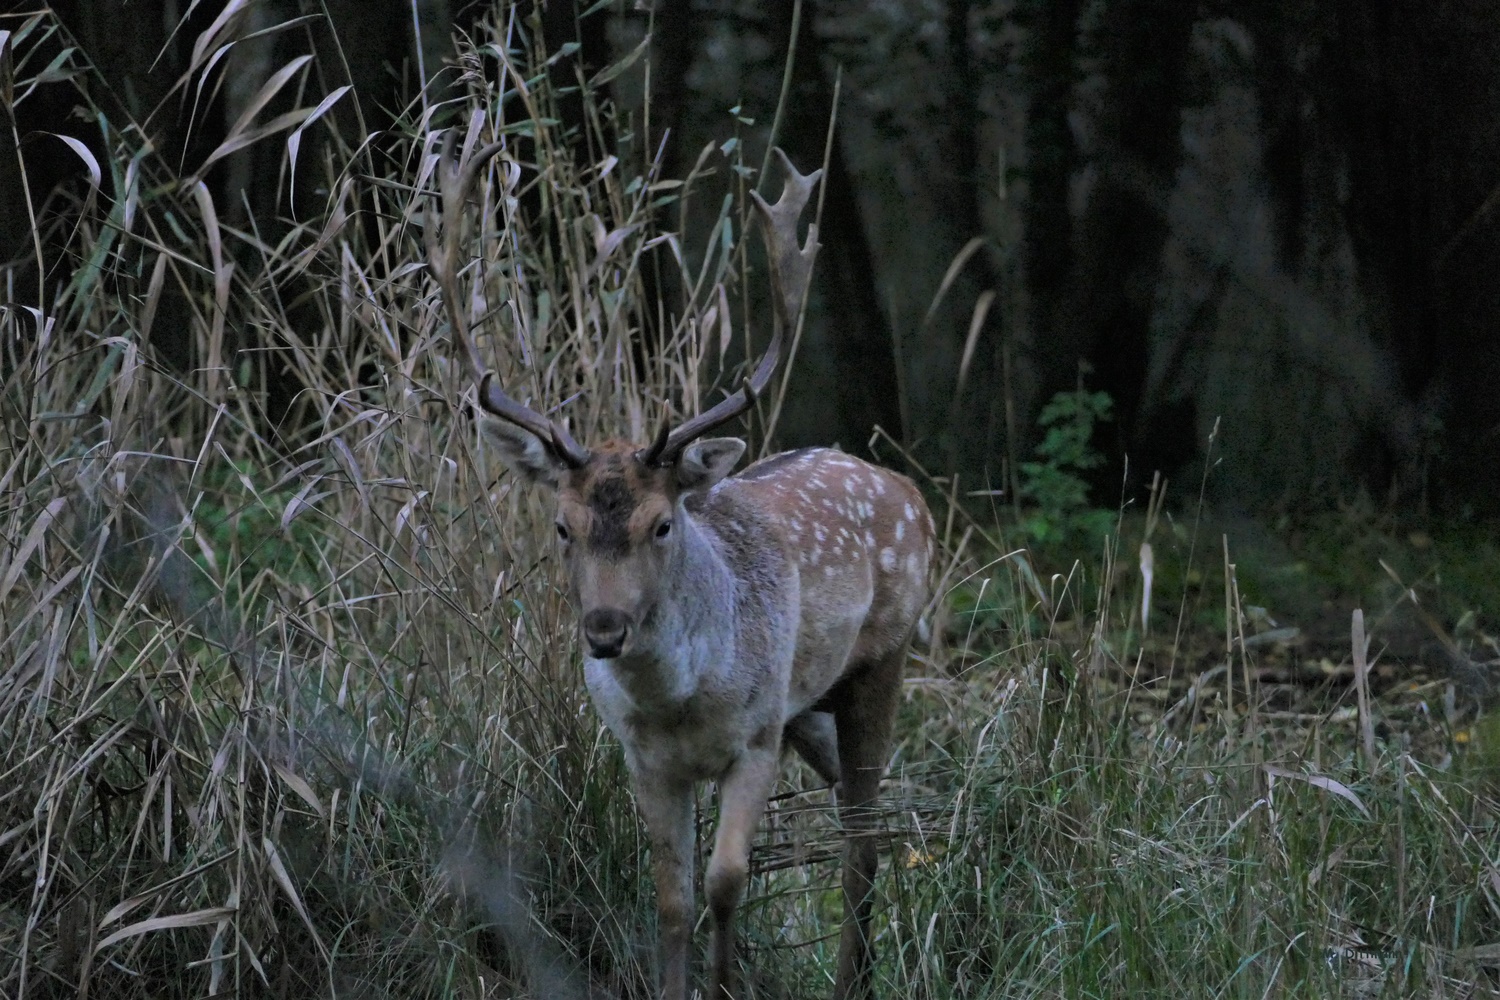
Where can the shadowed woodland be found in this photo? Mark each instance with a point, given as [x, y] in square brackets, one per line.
[1277, 218]
[1181, 315]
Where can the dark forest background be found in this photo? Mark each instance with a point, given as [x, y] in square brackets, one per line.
[1273, 218]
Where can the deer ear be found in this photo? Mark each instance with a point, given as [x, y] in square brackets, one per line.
[523, 451]
[705, 462]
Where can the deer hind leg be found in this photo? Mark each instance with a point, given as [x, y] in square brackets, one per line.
[743, 791]
[865, 714]
[667, 811]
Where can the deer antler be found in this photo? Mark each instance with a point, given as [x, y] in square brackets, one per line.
[791, 269]
[455, 180]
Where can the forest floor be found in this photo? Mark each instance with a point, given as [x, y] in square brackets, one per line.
[316, 728]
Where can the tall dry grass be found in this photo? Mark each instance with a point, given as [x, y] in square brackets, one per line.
[300, 711]
[294, 709]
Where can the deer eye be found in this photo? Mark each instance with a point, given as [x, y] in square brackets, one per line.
[664, 529]
[562, 531]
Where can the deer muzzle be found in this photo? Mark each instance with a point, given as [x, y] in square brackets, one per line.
[605, 630]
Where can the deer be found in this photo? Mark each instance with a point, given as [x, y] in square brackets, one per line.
[724, 616]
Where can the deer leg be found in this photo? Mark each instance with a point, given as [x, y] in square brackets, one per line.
[667, 811]
[812, 735]
[742, 801]
[865, 714]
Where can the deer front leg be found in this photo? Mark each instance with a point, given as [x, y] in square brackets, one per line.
[667, 810]
[742, 801]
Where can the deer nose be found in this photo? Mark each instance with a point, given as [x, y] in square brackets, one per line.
[605, 629]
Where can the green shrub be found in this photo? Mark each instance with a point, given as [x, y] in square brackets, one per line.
[1053, 486]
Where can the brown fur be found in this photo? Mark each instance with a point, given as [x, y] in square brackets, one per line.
[777, 604]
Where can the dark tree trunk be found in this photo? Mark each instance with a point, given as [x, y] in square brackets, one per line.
[972, 445]
[673, 44]
[674, 49]
[1118, 243]
[858, 334]
[1411, 96]
[1051, 69]
[963, 105]
[561, 25]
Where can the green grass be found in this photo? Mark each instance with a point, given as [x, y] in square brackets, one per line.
[306, 718]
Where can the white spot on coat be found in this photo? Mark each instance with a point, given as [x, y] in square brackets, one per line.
[888, 559]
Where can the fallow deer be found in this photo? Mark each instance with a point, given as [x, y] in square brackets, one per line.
[725, 615]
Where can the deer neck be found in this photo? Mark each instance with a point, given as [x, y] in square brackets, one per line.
[690, 633]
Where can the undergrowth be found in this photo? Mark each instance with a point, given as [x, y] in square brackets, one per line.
[302, 715]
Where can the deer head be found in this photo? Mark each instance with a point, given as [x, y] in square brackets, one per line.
[623, 509]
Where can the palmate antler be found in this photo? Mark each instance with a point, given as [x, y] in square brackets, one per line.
[791, 270]
[791, 266]
[455, 181]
